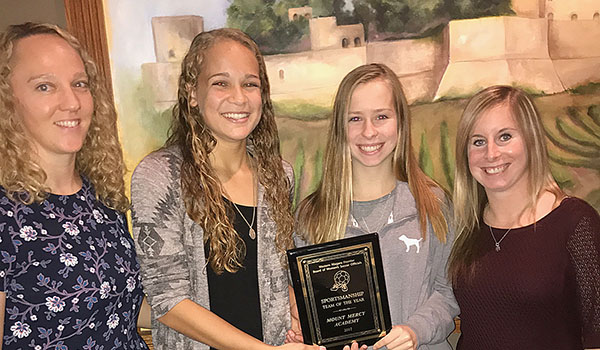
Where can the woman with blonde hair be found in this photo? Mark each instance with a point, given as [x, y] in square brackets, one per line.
[526, 262]
[211, 210]
[372, 183]
[69, 277]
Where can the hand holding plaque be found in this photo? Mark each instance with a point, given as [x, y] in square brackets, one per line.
[340, 292]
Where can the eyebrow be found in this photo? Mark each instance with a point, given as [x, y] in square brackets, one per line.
[225, 74]
[375, 110]
[40, 76]
[78, 75]
[499, 132]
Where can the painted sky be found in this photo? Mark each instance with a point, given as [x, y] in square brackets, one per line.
[130, 29]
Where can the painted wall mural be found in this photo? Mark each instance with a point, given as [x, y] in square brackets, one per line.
[443, 51]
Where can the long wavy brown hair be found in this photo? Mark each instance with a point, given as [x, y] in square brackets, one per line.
[100, 159]
[202, 189]
[323, 215]
[470, 197]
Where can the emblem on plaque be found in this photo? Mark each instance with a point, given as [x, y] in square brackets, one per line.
[340, 281]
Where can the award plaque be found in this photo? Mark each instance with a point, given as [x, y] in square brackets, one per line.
[340, 292]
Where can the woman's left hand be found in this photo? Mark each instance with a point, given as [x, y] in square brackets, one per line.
[293, 337]
[400, 338]
[354, 346]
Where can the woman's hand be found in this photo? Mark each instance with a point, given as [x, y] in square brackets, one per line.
[293, 336]
[298, 346]
[354, 346]
[400, 338]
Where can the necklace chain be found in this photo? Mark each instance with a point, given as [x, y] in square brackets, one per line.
[497, 242]
[251, 232]
[383, 219]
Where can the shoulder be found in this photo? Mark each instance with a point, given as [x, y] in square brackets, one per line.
[404, 193]
[575, 208]
[289, 171]
[157, 175]
[164, 162]
[444, 198]
[3, 197]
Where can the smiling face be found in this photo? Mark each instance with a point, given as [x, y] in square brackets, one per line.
[496, 152]
[372, 126]
[228, 91]
[51, 93]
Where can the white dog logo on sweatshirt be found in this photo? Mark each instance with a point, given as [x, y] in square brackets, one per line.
[410, 242]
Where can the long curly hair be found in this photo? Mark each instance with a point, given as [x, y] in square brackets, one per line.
[470, 197]
[100, 159]
[323, 215]
[201, 187]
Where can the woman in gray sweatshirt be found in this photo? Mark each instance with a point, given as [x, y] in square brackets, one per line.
[372, 183]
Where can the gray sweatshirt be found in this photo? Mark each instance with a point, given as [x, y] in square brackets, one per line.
[419, 293]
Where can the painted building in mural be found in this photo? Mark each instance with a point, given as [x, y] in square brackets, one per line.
[297, 12]
[545, 47]
[536, 49]
[558, 9]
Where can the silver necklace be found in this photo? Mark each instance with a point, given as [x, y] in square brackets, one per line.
[383, 219]
[251, 233]
[497, 242]
[367, 226]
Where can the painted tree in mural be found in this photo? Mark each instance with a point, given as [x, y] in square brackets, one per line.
[410, 18]
[267, 21]
[576, 136]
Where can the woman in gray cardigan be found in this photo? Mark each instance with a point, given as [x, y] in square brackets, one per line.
[211, 210]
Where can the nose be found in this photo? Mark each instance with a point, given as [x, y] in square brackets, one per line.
[237, 95]
[492, 151]
[70, 100]
[369, 130]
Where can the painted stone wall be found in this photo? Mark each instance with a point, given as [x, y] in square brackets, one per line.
[498, 50]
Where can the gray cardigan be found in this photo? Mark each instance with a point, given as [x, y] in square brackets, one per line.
[171, 251]
[418, 289]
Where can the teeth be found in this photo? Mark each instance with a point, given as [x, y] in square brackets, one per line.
[372, 148]
[67, 123]
[495, 170]
[235, 116]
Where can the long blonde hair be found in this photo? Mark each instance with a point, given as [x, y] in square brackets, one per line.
[202, 190]
[100, 159]
[323, 215]
[469, 196]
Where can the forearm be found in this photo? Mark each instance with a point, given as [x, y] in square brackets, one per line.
[200, 324]
[2, 309]
[295, 319]
[144, 318]
[433, 321]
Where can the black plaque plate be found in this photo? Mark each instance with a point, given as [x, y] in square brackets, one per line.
[340, 291]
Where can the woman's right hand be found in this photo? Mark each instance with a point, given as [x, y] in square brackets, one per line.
[300, 346]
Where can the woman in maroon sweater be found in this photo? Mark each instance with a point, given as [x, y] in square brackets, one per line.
[526, 263]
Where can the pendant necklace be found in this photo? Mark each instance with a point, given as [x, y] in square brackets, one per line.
[251, 233]
[497, 242]
[381, 219]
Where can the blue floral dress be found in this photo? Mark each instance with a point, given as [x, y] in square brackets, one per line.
[70, 274]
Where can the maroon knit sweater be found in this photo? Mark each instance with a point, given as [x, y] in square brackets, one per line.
[541, 290]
